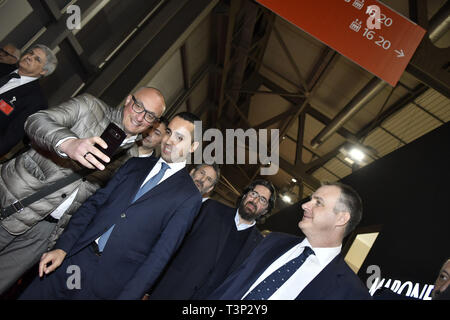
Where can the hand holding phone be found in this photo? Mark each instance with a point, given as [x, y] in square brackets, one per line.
[113, 136]
[94, 152]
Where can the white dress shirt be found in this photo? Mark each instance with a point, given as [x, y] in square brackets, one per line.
[173, 168]
[14, 82]
[313, 265]
[240, 225]
[59, 211]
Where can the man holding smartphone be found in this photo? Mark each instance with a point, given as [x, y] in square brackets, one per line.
[63, 139]
[123, 236]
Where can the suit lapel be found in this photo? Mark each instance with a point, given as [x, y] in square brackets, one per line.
[324, 283]
[164, 186]
[262, 257]
[138, 176]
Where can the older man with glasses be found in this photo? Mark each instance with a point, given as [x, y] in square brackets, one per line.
[220, 240]
[64, 141]
[20, 92]
[9, 56]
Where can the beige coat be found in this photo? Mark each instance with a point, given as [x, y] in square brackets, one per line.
[83, 116]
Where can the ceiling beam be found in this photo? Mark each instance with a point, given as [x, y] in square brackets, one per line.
[185, 94]
[396, 107]
[233, 11]
[430, 64]
[300, 136]
[149, 49]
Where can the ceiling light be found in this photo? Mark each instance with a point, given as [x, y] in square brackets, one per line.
[286, 198]
[294, 180]
[356, 154]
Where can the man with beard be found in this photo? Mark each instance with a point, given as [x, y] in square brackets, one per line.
[220, 239]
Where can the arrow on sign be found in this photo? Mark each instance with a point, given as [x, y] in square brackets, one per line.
[399, 53]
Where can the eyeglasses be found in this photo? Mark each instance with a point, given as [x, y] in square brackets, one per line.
[255, 195]
[150, 117]
[6, 53]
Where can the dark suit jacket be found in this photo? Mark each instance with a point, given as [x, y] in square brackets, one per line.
[335, 282]
[28, 100]
[192, 274]
[146, 233]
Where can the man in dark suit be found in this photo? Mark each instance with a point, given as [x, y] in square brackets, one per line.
[123, 236]
[9, 56]
[21, 94]
[286, 267]
[221, 238]
[205, 177]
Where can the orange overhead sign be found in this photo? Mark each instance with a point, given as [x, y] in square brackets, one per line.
[367, 32]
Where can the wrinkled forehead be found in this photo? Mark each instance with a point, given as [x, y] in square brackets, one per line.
[209, 171]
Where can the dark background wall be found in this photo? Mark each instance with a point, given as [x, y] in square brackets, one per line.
[406, 193]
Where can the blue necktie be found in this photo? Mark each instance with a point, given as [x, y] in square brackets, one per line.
[276, 279]
[150, 184]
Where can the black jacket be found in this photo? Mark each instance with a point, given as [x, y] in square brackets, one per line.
[26, 100]
[194, 271]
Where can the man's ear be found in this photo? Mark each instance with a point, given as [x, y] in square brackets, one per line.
[43, 73]
[128, 99]
[194, 146]
[191, 173]
[343, 218]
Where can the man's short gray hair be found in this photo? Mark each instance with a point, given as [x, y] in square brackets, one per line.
[52, 61]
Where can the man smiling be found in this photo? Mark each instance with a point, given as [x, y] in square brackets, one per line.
[285, 267]
[125, 234]
[64, 139]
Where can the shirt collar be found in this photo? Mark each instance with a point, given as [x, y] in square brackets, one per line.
[146, 155]
[324, 255]
[24, 79]
[176, 166]
[241, 226]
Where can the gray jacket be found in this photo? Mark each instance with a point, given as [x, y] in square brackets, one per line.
[82, 117]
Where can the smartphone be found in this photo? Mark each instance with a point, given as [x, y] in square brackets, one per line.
[113, 136]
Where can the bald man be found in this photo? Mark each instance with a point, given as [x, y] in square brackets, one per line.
[64, 139]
